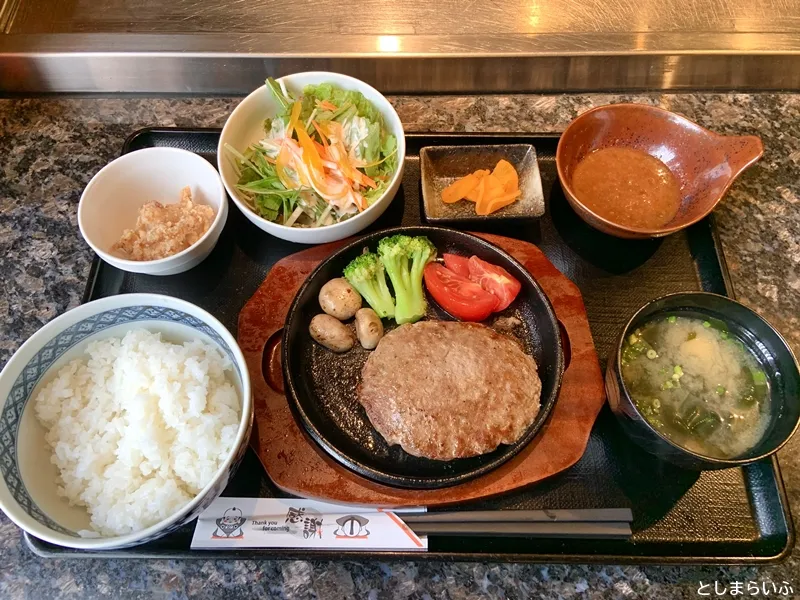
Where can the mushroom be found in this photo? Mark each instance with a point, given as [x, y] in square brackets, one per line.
[369, 328]
[339, 299]
[329, 332]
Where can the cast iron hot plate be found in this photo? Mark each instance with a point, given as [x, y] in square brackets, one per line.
[321, 385]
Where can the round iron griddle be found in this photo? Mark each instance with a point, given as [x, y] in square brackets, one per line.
[321, 385]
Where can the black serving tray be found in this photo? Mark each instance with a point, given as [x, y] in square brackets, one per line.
[715, 517]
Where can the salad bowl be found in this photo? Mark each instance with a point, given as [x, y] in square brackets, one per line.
[246, 126]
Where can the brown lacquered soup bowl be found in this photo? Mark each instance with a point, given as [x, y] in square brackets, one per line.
[705, 163]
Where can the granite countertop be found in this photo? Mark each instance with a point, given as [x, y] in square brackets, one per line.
[51, 147]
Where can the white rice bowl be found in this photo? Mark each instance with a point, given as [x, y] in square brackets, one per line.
[138, 427]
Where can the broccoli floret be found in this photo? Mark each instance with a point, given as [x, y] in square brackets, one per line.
[405, 258]
[367, 275]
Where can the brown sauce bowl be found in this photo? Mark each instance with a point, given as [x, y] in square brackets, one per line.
[704, 163]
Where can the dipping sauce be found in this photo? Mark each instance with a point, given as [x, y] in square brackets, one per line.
[627, 187]
[697, 384]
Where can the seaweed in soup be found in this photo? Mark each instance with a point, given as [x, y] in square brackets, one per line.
[697, 384]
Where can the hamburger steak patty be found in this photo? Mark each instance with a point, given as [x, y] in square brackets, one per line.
[445, 389]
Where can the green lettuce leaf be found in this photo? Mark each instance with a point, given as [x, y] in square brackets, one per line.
[322, 91]
[389, 145]
[339, 97]
[285, 103]
[388, 152]
[308, 106]
[372, 195]
[268, 206]
[371, 145]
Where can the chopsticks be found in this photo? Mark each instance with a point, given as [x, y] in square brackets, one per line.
[608, 530]
[504, 516]
[605, 523]
[596, 523]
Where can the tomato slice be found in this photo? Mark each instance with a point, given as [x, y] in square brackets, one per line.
[495, 280]
[459, 296]
[457, 264]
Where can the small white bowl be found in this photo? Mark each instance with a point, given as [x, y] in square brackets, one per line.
[245, 127]
[110, 204]
[28, 480]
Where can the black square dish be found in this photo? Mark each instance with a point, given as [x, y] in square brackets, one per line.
[442, 165]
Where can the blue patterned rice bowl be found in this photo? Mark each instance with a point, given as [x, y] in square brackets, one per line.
[28, 480]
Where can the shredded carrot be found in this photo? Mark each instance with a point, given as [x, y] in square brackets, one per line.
[347, 168]
[293, 119]
[361, 202]
[326, 187]
[325, 105]
[323, 150]
[321, 135]
[366, 180]
[284, 160]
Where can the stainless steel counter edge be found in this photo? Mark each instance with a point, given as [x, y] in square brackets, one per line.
[401, 64]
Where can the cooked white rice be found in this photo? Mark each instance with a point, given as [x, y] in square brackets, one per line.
[139, 428]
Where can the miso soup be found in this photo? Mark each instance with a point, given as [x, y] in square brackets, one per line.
[697, 384]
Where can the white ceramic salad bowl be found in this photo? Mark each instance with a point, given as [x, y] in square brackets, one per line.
[245, 127]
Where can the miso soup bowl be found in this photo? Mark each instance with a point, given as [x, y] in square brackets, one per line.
[772, 351]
